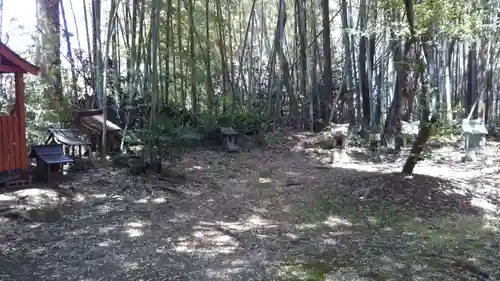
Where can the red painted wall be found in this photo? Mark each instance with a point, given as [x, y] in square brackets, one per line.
[12, 148]
[13, 133]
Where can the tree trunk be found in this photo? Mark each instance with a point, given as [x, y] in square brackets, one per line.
[49, 41]
[328, 56]
[427, 118]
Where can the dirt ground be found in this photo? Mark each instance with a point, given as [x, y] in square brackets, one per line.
[278, 214]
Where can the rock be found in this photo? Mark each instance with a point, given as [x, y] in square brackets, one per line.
[325, 142]
[467, 158]
[435, 144]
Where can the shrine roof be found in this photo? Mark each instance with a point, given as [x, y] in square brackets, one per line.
[11, 62]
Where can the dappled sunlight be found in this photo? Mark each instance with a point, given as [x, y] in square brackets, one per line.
[303, 226]
[180, 217]
[259, 210]
[221, 238]
[107, 229]
[134, 232]
[159, 200]
[333, 234]
[491, 223]
[297, 272]
[98, 196]
[79, 232]
[258, 221]
[130, 265]
[184, 247]
[35, 225]
[80, 198]
[333, 221]
[103, 209]
[108, 243]
[209, 238]
[136, 228]
[32, 196]
[4, 198]
[265, 180]
[484, 204]
[143, 200]
[198, 168]
[239, 262]
[281, 218]
[214, 242]
[138, 224]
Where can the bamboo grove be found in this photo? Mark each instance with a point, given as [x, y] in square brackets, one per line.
[298, 63]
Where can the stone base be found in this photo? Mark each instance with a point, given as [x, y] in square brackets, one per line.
[337, 155]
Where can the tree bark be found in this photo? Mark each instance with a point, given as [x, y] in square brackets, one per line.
[49, 42]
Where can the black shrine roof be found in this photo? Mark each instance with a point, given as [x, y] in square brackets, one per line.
[69, 137]
[13, 61]
[50, 154]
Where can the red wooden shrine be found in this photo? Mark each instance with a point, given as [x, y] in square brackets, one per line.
[12, 127]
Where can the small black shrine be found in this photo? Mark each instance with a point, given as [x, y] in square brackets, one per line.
[71, 140]
[49, 158]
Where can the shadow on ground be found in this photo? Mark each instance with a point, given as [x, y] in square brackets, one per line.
[265, 216]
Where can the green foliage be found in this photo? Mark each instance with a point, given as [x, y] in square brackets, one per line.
[42, 113]
[247, 123]
[274, 140]
[459, 19]
[243, 122]
[170, 137]
[7, 100]
[355, 138]
[131, 138]
[444, 130]
[454, 18]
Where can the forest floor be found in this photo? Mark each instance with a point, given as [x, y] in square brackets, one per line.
[277, 214]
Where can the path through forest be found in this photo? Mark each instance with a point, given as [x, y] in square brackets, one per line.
[266, 215]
